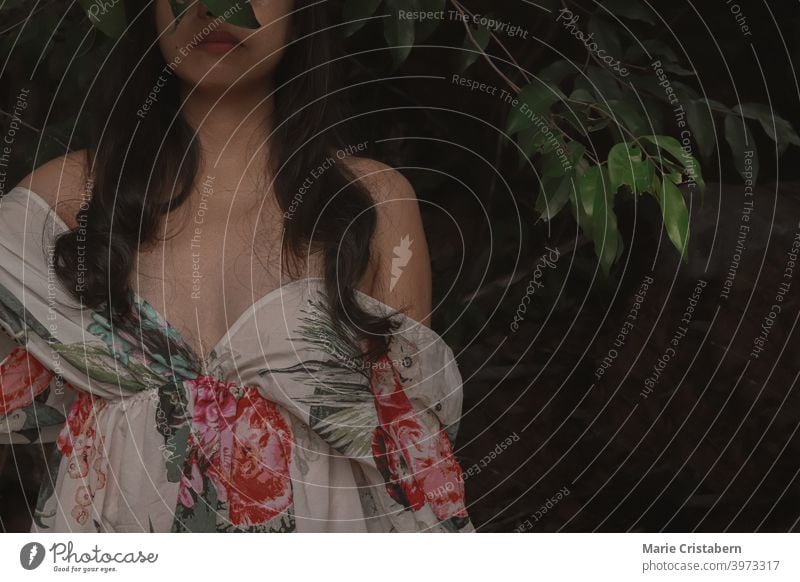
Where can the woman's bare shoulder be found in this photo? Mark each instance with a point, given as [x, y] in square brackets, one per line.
[62, 182]
[383, 182]
[400, 273]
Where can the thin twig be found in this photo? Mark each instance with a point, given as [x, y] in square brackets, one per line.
[486, 56]
[36, 129]
[460, 7]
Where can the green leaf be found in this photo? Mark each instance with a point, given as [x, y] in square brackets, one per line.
[578, 211]
[654, 113]
[356, 14]
[603, 84]
[554, 196]
[676, 216]
[400, 33]
[482, 36]
[552, 166]
[648, 84]
[179, 8]
[606, 34]
[575, 151]
[627, 167]
[700, 122]
[743, 146]
[660, 49]
[597, 202]
[108, 17]
[582, 96]
[684, 92]
[630, 116]
[239, 12]
[530, 141]
[607, 240]
[598, 125]
[557, 164]
[589, 184]
[558, 71]
[536, 98]
[677, 69]
[715, 106]
[427, 26]
[582, 113]
[777, 128]
[691, 166]
[630, 10]
[592, 120]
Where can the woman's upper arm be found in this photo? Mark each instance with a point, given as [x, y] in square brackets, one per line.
[62, 182]
[400, 272]
[34, 400]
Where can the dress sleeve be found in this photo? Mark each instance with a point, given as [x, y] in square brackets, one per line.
[417, 396]
[34, 401]
[394, 418]
[34, 395]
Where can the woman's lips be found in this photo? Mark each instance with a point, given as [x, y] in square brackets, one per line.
[219, 41]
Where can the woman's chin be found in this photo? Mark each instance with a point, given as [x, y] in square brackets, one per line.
[214, 72]
[221, 55]
[217, 79]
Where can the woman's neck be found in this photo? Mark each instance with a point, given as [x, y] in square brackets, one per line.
[231, 126]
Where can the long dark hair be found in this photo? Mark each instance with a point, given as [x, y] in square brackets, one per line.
[127, 204]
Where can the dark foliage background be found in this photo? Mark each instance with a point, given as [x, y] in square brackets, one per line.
[715, 446]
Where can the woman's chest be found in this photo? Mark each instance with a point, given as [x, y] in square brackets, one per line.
[211, 269]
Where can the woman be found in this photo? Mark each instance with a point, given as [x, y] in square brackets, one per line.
[222, 314]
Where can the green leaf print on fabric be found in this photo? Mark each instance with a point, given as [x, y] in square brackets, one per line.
[151, 321]
[342, 409]
[346, 426]
[143, 338]
[362, 409]
[19, 319]
[209, 514]
[173, 422]
[40, 414]
[202, 515]
[99, 364]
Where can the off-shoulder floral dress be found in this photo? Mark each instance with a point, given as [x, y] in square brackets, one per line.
[283, 428]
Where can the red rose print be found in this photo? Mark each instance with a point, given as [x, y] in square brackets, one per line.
[213, 416]
[260, 487]
[244, 447]
[193, 481]
[82, 446]
[22, 378]
[419, 466]
[80, 425]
